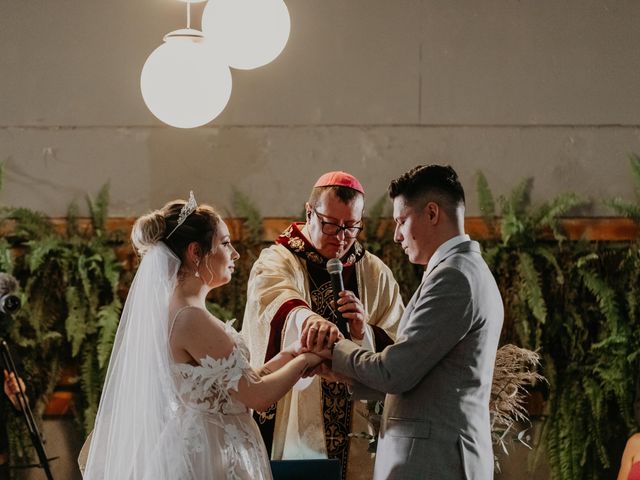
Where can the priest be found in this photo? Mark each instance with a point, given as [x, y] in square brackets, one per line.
[290, 292]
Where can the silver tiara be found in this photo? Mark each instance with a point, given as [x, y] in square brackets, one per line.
[187, 210]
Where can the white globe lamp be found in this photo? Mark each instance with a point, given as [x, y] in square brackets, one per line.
[184, 83]
[247, 33]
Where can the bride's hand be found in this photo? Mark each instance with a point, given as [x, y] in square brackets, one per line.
[312, 360]
[294, 349]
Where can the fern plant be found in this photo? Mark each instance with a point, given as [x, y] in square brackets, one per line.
[577, 302]
[71, 304]
[518, 259]
[590, 343]
[622, 207]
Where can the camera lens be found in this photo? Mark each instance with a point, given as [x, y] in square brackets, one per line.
[9, 303]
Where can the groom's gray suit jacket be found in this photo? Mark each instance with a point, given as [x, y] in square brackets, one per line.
[437, 376]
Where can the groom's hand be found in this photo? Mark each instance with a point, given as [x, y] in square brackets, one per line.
[324, 370]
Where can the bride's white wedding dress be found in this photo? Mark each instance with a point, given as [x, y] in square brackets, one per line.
[162, 420]
[222, 439]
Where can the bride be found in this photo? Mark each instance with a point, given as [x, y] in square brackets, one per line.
[179, 388]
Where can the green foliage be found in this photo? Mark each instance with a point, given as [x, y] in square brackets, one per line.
[6, 258]
[99, 209]
[220, 312]
[591, 347]
[521, 224]
[577, 302]
[520, 259]
[71, 306]
[108, 319]
[486, 202]
[91, 378]
[485, 197]
[374, 221]
[29, 224]
[621, 207]
[244, 208]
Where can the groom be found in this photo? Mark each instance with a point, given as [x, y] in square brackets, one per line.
[437, 376]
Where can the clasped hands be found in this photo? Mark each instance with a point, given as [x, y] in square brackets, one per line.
[319, 335]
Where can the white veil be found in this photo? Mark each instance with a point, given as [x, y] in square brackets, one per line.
[136, 435]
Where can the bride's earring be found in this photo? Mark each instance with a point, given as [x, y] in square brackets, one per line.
[197, 274]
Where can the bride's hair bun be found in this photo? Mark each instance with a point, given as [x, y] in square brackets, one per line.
[147, 231]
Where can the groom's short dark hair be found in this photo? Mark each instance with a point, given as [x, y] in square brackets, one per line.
[430, 183]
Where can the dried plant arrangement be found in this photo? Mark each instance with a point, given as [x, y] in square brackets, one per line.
[516, 370]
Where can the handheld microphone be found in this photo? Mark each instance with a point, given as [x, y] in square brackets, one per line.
[334, 267]
[9, 303]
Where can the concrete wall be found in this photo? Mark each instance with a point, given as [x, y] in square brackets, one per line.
[515, 88]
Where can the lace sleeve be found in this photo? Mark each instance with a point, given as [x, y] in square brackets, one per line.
[225, 373]
[209, 384]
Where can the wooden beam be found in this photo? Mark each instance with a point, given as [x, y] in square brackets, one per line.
[613, 229]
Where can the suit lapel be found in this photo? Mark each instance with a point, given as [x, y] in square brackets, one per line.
[470, 246]
[410, 306]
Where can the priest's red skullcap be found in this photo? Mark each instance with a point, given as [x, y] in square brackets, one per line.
[339, 179]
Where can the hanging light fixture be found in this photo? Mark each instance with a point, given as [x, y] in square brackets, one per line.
[185, 82]
[250, 33]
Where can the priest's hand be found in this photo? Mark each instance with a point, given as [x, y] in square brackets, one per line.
[319, 334]
[353, 311]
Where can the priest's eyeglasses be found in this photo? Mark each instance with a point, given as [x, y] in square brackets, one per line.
[328, 228]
